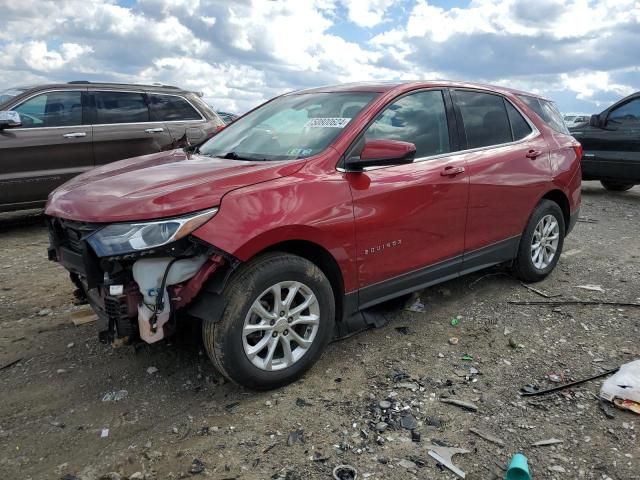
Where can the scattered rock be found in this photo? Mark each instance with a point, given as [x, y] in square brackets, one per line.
[409, 422]
[152, 370]
[44, 312]
[115, 396]
[297, 436]
[196, 467]
[460, 403]
[385, 404]
[487, 436]
[557, 469]
[453, 340]
[408, 464]
[545, 443]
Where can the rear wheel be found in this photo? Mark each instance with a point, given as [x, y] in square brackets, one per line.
[616, 186]
[541, 243]
[278, 319]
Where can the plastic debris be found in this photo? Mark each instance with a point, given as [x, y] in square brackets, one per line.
[518, 468]
[487, 436]
[548, 442]
[403, 330]
[453, 340]
[197, 466]
[415, 306]
[104, 433]
[460, 403]
[530, 390]
[115, 396]
[443, 455]
[591, 288]
[623, 388]
[467, 358]
[455, 320]
[345, 472]
[297, 436]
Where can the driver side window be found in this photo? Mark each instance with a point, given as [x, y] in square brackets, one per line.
[626, 116]
[419, 118]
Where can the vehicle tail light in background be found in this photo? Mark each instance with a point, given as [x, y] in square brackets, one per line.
[219, 127]
[578, 149]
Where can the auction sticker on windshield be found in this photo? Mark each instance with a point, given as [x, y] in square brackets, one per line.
[323, 122]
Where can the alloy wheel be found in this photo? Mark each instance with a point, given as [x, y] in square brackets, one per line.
[544, 244]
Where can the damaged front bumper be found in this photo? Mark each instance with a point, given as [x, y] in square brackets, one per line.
[140, 294]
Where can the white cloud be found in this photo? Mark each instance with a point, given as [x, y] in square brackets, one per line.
[367, 13]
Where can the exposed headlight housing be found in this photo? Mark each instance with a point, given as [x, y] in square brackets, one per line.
[121, 238]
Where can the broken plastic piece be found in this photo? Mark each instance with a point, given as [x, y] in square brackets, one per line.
[460, 403]
[518, 468]
[443, 455]
[548, 442]
[623, 388]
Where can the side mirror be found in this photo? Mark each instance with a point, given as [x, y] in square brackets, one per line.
[379, 153]
[594, 121]
[9, 119]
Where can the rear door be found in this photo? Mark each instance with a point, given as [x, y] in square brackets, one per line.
[52, 145]
[613, 152]
[508, 165]
[122, 126]
[410, 219]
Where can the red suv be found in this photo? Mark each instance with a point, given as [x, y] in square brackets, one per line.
[279, 232]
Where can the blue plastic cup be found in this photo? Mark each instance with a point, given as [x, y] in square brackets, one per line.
[518, 468]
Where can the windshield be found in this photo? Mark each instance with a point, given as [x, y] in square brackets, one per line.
[289, 127]
[7, 95]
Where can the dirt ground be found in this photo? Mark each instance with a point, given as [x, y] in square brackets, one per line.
[53, 417]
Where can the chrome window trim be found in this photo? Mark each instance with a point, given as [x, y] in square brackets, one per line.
[89, 125]
[534, 132]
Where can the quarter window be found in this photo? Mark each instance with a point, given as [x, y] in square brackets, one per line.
[484, 117]
[167, 108]
[546, 110]
[419, 118]
[519, 125]
[52, 109]
[120, 107]
[625, 116]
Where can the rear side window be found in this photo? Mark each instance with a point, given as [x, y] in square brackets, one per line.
[547, 111]
[170, 108]
[419, 118]
[519, 125]
[52, 109]
[484, 117]
[120, 107]
[625, 116]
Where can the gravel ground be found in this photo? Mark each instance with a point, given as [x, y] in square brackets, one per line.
[177, 418]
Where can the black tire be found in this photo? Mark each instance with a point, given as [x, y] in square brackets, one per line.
[223, 339]
[524, 267]
[616, 186]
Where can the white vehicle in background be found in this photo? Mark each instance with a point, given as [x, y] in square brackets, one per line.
[573, 121]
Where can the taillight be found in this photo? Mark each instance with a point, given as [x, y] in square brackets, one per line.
[578, 149]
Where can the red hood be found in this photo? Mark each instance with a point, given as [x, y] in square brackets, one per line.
[159, 185]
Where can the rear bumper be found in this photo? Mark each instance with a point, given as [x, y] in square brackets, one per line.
[573, 219]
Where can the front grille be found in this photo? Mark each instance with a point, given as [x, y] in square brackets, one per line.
[70, 234]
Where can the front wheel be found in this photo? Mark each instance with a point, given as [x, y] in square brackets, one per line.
[279, 317]
[541, 243]
[616, 186]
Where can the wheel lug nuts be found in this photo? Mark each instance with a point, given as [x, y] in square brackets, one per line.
[272, 322]
[290, 319]
[282, 314]
[275, 334]
[286, 332]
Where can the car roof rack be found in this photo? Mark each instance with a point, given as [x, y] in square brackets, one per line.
[87, 82]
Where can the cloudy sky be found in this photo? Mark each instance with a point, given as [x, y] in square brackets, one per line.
[583, 54]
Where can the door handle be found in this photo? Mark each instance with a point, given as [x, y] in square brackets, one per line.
[533, 154]
[451, 171]
[154, 130]
[75, 135]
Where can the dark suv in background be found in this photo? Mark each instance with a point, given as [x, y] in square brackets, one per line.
[50, 133]
[611, 145]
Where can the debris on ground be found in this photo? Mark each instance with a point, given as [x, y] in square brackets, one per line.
[415, 305]
[623, 388]
[531, 390]
[487, 436]
[83, 317]
[548, 442]
[403, 330]
[455, 321]
[443, 455]
[115, 396]
[460, 403]
[197, 466]
[152, 370]
[540, 292]
[592, 288]
[104, 433]
[297, 436]
[518, 468]
[11, 363]
[453, 340]
[345, 472]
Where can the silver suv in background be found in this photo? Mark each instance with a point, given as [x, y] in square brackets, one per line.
[51, 133]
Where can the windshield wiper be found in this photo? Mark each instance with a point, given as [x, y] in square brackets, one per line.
[236, 156]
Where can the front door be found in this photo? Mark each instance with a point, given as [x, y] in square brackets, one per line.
[52, 145]
[122, 127]
[410, 219]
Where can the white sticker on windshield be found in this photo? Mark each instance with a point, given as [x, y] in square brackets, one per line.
[323, 122]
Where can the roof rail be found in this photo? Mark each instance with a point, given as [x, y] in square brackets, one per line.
[87, 82]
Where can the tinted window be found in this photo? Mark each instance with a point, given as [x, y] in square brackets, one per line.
[419, 118]
[484, 117]
[627, 115]
[519, 125]
[166, 108]
[52, 109]
[547, 111]
[120, 107]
